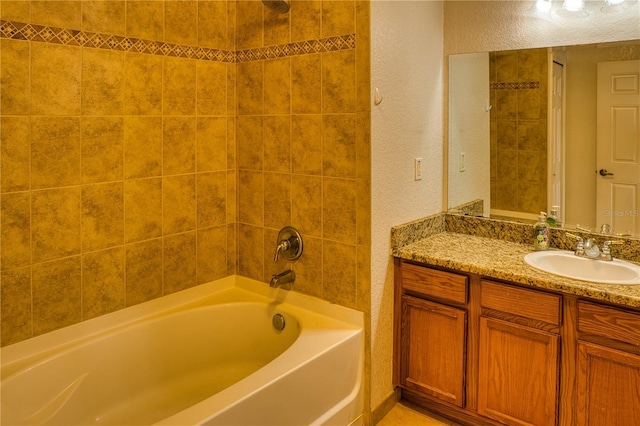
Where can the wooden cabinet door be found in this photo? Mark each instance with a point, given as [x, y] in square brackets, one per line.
[517, 374]
[608, 383]
[433, 342]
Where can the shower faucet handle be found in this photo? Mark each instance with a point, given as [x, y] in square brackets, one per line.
[289, 244]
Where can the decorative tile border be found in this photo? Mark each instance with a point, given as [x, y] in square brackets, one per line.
[45, 34]
[515, 86]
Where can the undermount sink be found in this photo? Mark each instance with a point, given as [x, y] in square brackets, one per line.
[567, 264]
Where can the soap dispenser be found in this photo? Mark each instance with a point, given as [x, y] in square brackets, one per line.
[541, 233]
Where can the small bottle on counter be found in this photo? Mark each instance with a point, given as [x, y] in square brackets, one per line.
[552, 219]
[541, 233]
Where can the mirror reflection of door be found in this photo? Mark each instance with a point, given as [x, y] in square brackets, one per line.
[618, 146]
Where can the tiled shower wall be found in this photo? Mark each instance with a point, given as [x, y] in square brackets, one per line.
[303, 147]
[518, 89]
[119, 174]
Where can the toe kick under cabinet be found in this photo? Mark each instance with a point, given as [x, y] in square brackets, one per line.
[487, 352]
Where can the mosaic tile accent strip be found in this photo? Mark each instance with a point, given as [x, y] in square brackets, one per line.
[44, 34]
[515, 86]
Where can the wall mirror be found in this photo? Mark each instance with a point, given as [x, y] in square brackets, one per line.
[533, 128]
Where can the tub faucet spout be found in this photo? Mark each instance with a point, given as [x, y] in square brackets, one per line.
[286, 277]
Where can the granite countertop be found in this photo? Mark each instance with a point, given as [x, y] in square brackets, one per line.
[504, 260]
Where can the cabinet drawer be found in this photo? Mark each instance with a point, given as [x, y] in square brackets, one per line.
[522, 302]
[609, 322]
[434, 283]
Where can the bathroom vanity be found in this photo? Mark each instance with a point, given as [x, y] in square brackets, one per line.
[482, 338]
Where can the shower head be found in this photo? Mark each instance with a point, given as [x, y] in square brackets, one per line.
[278, 6]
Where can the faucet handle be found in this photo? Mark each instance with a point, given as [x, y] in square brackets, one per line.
[579, 243]
[606, 249]
[289, 244]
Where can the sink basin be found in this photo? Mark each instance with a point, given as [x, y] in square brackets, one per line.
[567, 264]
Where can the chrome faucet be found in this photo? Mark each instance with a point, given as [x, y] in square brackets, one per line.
[589, 249]
[286, 277]
[289, 244]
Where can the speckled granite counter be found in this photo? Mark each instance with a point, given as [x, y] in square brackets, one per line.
[500, 259]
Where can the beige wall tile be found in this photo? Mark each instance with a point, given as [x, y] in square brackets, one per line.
[179, 145]
[143, 209]
[102, 149]
[249, 32]
[339, 273]
[55, 223]
[231, 143]
[15, 305]
[277, 143]
[15, 154]
[104, 16]
[363, 279]
[212, 199]
[102, 216]
[529, 104]
[309, 267]
[506, 66]
[102, 82]
[143, 84]
[339, 145]
[339, 209]
[179, 86]
[276, 27]
[15, 10]
[103, 288]
[277, 86]
[277, 200]
[338, 17]
[212, 24]
[212, 254]
[363, 145]
[306, 16]
[179, 262]
[250, 144]
[532, 135]
[56, 13]
[232, 197]
[14, 81]
[232, 249]
[251, 197]
[143, 265]
[56, 288]
[181, 22]
[306, 75]
[55, 79]
[211, 144]
[249, 86]
[251, 251]
[232, 99]
[55, 152]
[270, 267]
[306, 144]
[145, 19]
[363, 212]
[178, 204]
[339, 81]
[306, 204]
[142, 147]
[211, 88]
[15, 228]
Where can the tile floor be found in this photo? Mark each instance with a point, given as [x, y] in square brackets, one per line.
[405, 414]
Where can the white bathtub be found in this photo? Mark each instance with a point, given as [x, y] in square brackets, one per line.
[208, 355]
